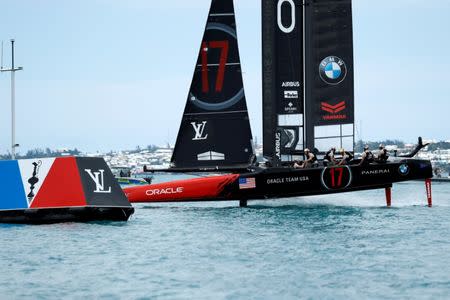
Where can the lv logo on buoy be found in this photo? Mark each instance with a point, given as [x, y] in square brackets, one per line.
[99, 180]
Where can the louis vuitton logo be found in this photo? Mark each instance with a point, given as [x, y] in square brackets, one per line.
[99, 180]
[199, 129]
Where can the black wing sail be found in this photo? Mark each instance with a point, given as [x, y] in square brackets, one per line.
[329, 90]
[215, 129]
[282, 38]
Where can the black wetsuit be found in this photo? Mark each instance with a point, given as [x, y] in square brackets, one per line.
[309, 164]
[383, 156]
[349, 157]
[369, 157]
[329, 157]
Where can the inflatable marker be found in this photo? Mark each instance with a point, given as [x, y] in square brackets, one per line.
[65, 189]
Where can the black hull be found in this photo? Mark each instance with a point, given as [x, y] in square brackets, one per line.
[289, 182]
[65, 214]
[283, 182]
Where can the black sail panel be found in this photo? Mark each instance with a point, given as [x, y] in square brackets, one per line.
[215, 129]
[329, 92]
[282, 37]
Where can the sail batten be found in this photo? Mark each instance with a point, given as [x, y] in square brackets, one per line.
[215, 129]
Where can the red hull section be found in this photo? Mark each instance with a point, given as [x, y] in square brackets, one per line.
[183, 190]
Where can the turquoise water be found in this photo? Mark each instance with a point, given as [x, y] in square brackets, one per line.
[331, 247]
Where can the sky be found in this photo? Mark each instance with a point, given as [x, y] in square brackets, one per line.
[110, 75]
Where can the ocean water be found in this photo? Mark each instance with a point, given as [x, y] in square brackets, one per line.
[346, 246]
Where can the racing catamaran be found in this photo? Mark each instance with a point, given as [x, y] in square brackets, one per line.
[308, 102]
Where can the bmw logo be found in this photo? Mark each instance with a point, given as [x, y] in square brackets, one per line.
[333, 70]
[403, 169]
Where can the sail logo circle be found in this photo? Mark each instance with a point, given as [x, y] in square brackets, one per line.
[333, 70]
[336, 178]
[205, 103]
[403, 169]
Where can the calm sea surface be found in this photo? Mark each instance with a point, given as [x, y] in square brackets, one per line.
[331, 247]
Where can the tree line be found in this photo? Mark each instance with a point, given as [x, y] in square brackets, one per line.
[42, 153]
[47, 152]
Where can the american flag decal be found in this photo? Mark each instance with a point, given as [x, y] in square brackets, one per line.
[247, 183]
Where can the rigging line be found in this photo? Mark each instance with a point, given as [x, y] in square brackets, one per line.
[1, 67]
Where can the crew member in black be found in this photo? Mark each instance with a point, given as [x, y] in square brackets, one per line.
[329, 159]
[367, 156]
[382, 154]
[310, 158]
[346, 157]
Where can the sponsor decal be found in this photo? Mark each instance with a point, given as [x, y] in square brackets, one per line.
[336, 178]
[166, 191]
[33, 173]
[290, 84]
[375, 172]
[33, 180]
[287, 180]
[332, 70]
[99, 180]
[334, 111]
[278, 144]
[247, 183]
[210, 155]
[199, 129]
[334, 117]
[290, 108]
[290, 94]
[289, 137]
[403, 169]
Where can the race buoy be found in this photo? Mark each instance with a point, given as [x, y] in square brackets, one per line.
[49, 190]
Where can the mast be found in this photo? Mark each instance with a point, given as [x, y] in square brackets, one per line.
[268, 83]
[13, 71]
